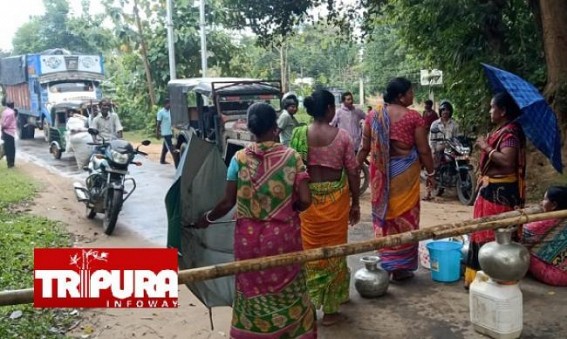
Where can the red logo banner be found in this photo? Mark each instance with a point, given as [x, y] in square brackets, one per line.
[105, 277]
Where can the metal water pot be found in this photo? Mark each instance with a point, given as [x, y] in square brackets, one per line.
[371, 281]
[504, 260]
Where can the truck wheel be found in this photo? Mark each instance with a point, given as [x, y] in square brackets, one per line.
[30, 131]
[20, 130]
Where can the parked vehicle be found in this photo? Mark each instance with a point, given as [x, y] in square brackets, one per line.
[215, 108]
[56, 133]
[455, 170]
[37, 82]
[104, 187]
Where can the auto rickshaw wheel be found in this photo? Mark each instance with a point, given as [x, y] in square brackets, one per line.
[55, 151]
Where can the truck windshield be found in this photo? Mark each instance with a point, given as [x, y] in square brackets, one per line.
[75, 86]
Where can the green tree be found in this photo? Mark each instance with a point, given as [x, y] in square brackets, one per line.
[58, 29]
[129, 74]
[454, 36]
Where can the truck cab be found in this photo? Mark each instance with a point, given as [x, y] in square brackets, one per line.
[38, 82]
[215, 109]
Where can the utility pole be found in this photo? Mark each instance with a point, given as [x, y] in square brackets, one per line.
[361, 84]
[170, 40]
[203, 38]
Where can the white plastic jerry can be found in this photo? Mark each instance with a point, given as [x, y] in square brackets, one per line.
[496, 309]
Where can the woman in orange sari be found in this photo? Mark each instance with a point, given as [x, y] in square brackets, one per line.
[502, 166]
[396, 138]
[334, 183]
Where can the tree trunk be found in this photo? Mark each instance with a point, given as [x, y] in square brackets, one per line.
[147, 68]
[553, 19]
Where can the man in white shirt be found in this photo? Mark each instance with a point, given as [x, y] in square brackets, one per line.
[350, 118]
[107, 123]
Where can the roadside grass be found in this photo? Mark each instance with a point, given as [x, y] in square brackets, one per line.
[21, 233]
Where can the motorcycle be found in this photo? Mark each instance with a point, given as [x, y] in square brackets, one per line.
[455, 169]
[108, 167]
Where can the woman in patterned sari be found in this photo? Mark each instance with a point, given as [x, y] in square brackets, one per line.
[502, 168]
[547, 241]
[269, 184]
[335, 182]
[396, 138]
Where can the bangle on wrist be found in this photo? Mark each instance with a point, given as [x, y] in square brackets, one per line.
[207, 217]
[431, 174]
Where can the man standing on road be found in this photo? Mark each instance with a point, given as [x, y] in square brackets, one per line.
[287, 121]
[350, 119]
[429, 114]
[8, 127]
[163, 129]
[107, 123]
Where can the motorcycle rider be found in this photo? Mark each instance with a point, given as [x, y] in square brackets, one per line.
[445, 128]
[107, 123]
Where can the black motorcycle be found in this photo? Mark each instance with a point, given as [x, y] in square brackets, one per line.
[108, 167]
[455, 170]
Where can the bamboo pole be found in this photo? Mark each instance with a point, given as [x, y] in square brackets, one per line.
[257, 264]
[13, 297]
[16, 297]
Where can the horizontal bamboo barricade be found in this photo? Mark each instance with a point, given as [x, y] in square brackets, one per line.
[25, 296]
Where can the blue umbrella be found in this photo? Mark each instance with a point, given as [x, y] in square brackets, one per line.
[538, 120]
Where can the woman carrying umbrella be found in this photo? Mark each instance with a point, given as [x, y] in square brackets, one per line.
[502, 166]
[269, 184]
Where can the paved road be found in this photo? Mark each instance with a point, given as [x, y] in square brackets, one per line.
[143, 213]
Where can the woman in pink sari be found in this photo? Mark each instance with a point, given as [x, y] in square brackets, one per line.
[547, 241]
[268, 183]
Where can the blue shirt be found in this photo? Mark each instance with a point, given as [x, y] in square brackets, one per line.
[164, 116]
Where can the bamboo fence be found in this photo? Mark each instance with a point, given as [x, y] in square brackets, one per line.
[24, 296]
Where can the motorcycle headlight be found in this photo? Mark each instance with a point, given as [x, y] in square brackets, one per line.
[119, 158]
[463, 150]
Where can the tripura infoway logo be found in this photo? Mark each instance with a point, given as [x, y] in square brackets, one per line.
[109, 277]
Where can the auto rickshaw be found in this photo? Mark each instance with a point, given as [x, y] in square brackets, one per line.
[59, 115]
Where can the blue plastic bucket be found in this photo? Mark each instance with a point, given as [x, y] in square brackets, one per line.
[445, 259]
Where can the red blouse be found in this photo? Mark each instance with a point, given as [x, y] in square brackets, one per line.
[404, 129]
